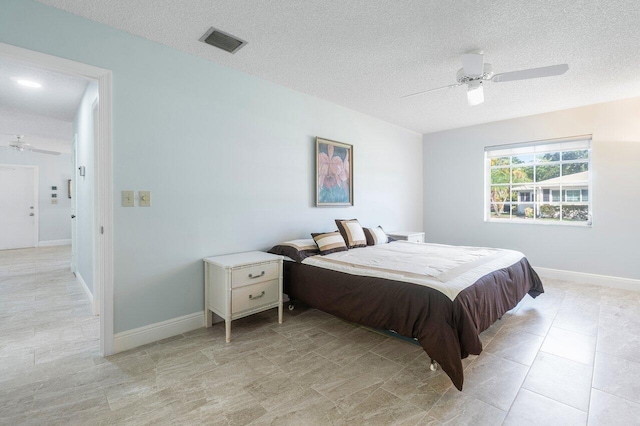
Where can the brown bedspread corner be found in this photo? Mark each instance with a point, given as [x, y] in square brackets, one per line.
[447, 330]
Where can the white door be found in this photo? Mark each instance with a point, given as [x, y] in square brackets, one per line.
[74, 208]
[18, 209]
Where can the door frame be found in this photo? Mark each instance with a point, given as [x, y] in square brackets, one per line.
[74, 206]
[97, 249]
[103, 186]
[36, 199]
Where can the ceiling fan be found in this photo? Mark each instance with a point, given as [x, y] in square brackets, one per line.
[20, 145]
[475, 72]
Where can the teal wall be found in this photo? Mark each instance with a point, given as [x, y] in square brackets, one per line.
[228, 158]
[454, 159]
[83, 129]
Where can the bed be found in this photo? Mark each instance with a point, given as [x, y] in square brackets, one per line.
[443, 296]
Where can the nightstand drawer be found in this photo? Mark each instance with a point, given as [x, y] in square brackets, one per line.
[254, 296]
[253, 274]
[241, 284]
[418, 238]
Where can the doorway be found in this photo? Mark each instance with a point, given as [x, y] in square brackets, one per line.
[73, 193]
[102, 185]
[18, 206]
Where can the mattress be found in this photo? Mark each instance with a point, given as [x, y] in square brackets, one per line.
[444, 296]
[448, 269]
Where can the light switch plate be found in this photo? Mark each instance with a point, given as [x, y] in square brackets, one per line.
[145, 198]
[127, 198]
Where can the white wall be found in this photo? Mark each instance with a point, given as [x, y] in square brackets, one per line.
[53, 170]
[83, 128]
[453, 184]
[228, 158]
[35, 128]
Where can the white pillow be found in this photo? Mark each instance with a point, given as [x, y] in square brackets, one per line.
[352, 232]
[376, 236]
[330, 242]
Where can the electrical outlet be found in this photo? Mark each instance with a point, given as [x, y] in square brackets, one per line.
[127, 198]
[145, 198]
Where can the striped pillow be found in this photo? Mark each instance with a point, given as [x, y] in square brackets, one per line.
[297, 250]
[376, 236]
[352, 232]
[330, 242]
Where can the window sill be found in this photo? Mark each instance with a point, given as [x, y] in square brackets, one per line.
[540, 222]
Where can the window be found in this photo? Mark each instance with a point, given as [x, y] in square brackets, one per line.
[541, 182]
[572, 195]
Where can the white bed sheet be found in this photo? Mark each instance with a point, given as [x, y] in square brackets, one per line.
[448, 269]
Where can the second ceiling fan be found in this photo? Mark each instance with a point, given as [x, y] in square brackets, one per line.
[475, 72]
[20, 145]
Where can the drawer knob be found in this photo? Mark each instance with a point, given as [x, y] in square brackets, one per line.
[252, 297]
[256, 276]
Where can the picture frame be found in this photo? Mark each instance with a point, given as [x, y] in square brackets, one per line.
[334, 173]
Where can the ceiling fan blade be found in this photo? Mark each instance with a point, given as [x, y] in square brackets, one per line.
[475, 94]
[43, 151]
[531, 73]
[432, 90]
[473, 64]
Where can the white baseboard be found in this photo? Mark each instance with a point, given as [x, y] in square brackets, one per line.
[595, 279]
[52, 243]
[153, 332]
[95, 306]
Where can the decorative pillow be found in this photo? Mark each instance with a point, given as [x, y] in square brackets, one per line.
[376, 236]
[352, 232]
[297, 250]
[330, 242]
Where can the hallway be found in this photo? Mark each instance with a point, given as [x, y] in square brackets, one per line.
[46, 324]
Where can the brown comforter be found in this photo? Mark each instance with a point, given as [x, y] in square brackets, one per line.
[447, 330]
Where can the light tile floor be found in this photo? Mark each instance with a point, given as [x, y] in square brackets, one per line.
[568, 357]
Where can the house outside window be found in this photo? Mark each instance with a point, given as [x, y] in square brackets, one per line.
[546, 182]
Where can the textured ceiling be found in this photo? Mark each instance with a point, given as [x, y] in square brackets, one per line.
[365, 54]
[40, 131]
[44, 115]
[58, 98]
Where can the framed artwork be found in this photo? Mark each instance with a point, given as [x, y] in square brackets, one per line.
[334, 173]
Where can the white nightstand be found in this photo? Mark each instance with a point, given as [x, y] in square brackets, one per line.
[414, 237]
[242, 284]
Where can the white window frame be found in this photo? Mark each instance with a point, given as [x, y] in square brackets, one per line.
[576, 143]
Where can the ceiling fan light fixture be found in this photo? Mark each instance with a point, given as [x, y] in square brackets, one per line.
[475, 71]
[475, 93]
[21, 146]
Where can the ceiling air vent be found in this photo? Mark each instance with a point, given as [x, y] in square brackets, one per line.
[222, 40]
